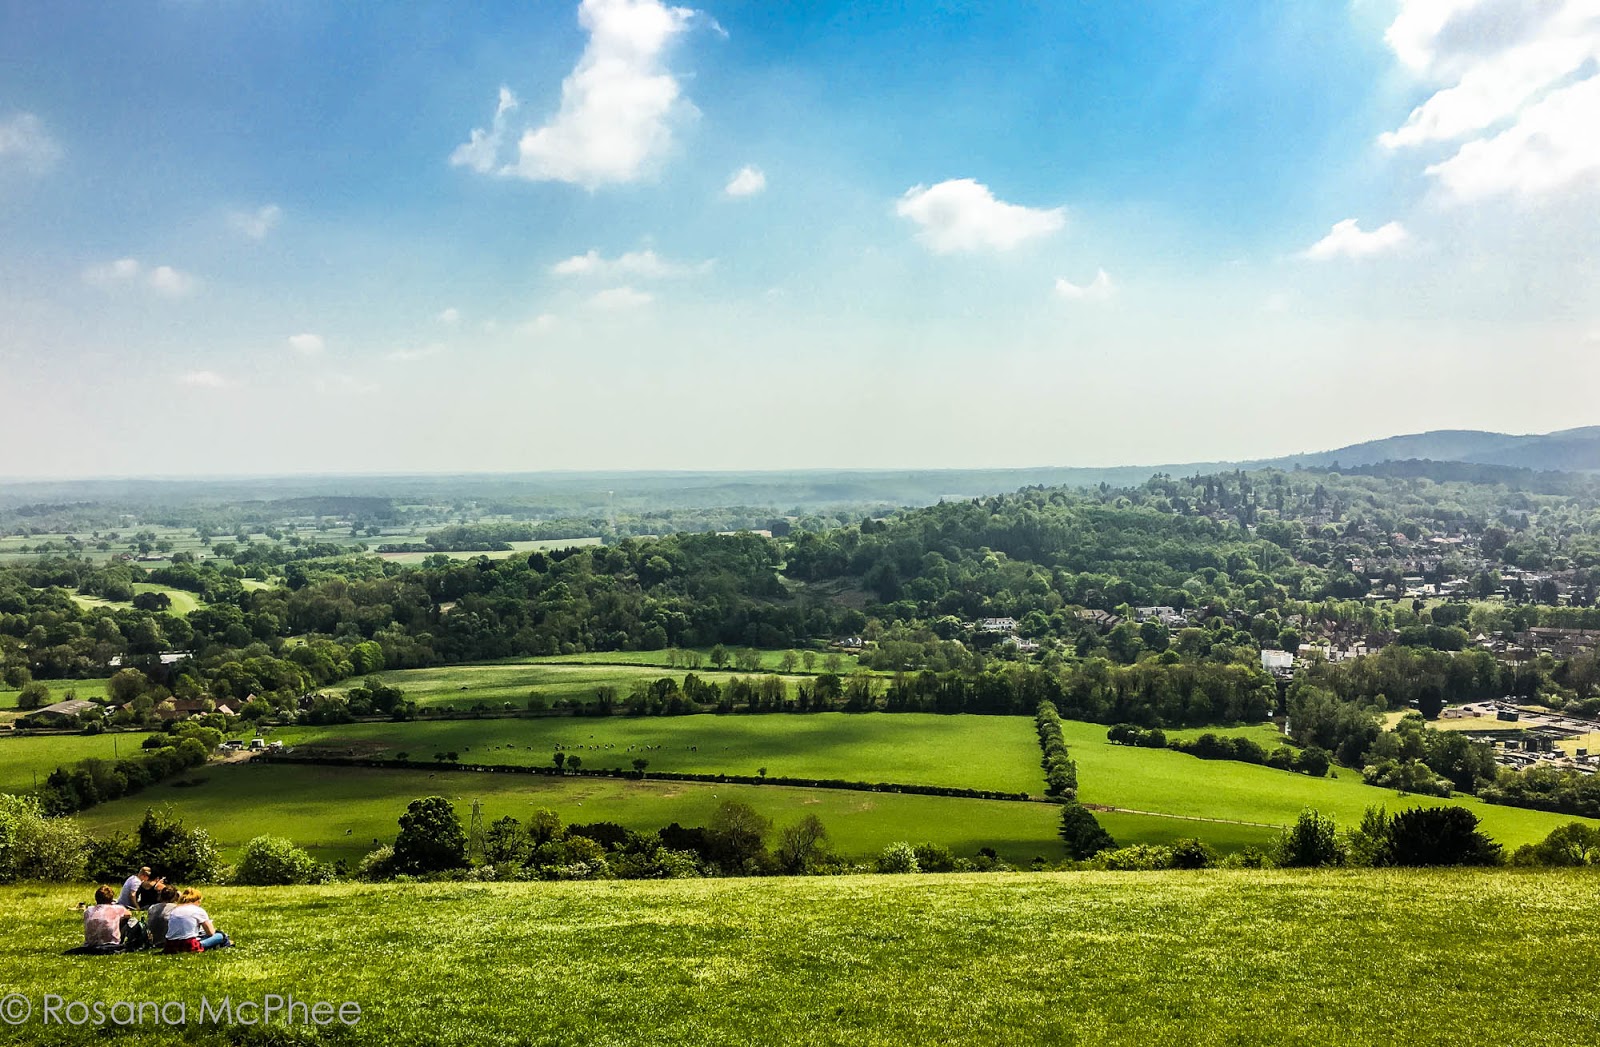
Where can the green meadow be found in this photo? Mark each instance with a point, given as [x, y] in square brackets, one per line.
[771, 661]
[183, 601]
[60, 691]
[23, 758]
[975, 752]
[338, 812]
[1211, 958]
[494, 684]
[1169, 782]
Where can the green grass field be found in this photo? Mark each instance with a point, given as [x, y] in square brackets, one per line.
[1215, 958]
[1168, 782]
[23, 758]
[183, 601]
[463, 686]
[772, 661]
[60, 690]
[517, 548]
[974, 752]
[337, 812]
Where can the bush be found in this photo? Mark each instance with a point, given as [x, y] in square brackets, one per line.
[270, 861]
[935, 858]
[1572, 844]
[898, 858]
[1425, 836]
[1082, 833]
[431, 838]
[34, 847]
[1140, 857]
[1190, 853]
[1309, 843]
[377, 864]
[179, 854]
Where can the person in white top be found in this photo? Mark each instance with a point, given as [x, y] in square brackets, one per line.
[189, 927]
[129, 898]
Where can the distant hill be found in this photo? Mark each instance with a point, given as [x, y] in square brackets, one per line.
[1570, 450]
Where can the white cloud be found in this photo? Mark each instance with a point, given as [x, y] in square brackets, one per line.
[450, 316]
[962, 215]
[1521, 93]
[206, 380]
[644, 263]
[1346, 240]
[25, 142]
[258, 223]
[307, 344]
[541, 324]
[618, 106]
[619, 298]
[747, 181]
[337, 384]
[481, 151]
[168, 281]
[130, 272]
[1096, 290]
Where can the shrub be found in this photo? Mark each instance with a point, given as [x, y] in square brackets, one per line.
[898, 857]
[270, 861]
[1309, 843]
[935, 858]
[179, 854]
[34, 847]
[1439, 836]
[377, 864]
[1139, 857]
[431, 838]
[1082, 833]
[1572, 844]
[1190, 853]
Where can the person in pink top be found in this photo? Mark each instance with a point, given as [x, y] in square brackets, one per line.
[102, 922]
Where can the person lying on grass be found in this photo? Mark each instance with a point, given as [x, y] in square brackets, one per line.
[189, 927]
[109, 927]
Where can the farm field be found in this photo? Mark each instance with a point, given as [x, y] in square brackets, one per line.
[1168, 782]
[22, 758]
[1206, 958]
[337, 812]
[494, 684]
[517, 548]
[59, 691]
[183, 601]
[972, 752]
[772, 661]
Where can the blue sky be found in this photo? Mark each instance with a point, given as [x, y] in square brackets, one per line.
[241, 237]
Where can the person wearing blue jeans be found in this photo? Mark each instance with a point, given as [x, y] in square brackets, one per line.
[189, 927]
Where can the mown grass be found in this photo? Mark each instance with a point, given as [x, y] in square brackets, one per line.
[974, 752]
[337, 812]
[1208, 958]
[1169, 782]
[771, 661]
[60, 691]
[494, 684]
[183, 601]
[23, 758]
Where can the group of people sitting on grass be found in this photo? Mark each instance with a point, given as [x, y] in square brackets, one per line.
[173, 920]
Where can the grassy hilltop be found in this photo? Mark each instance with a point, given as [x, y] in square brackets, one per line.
[1355, 957]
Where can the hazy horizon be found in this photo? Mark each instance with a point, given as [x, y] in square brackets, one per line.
[619, 235]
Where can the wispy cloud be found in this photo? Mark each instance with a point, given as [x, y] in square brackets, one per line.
[1097, 290]
[963, 215]
[418, 353]
[620, 298]
[1521, 94]
[307, 344]
[258, 223]
[1347, 240]
[130, 272]
[618, 106]
[449, 317]
[747, 181]
[644, 263]
[542, 324]
[26, 143]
